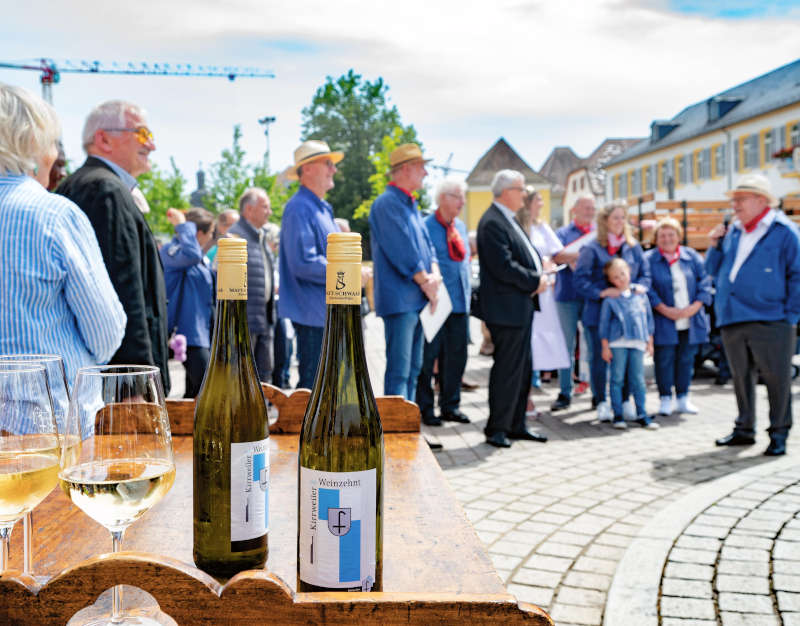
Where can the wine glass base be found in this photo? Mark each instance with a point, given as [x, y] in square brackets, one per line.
[138, 607]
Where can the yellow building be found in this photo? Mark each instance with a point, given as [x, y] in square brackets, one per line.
[500, 156]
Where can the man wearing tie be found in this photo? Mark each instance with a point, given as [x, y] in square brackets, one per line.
[255, 209]
[511, 273]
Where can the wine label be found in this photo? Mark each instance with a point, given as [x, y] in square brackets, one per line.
[232, 281]
[337, 528]
[343, 283]
[249, 490]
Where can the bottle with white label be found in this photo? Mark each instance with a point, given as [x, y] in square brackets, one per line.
[231, 435]
[340, 499]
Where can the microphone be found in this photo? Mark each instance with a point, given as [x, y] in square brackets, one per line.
[726, 221]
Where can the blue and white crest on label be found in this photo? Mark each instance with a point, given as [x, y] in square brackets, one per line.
[249, 490]
[339, 521]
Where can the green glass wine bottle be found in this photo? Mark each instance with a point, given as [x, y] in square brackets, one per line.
[231, 435]
[340, 496]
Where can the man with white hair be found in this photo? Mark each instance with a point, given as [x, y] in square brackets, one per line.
[118, 143]
[511, 272]
[756, 267]
[449, 237]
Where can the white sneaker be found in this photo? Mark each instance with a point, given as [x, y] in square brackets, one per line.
[604, 412]
[653, 425]
[620, 424]
[684, 406]
[629, 410]
[666, 407]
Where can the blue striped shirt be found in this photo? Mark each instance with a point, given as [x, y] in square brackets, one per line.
[55, 293]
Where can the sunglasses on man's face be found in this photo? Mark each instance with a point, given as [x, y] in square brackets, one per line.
[143, 134]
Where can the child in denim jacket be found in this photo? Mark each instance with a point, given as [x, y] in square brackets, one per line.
[626, 331]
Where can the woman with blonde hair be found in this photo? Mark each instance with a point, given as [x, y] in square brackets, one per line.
[53, 272]
[614, 239]
[681, 289]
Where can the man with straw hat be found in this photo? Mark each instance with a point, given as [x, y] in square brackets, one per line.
[756, 266]
[406, 272]
[307, 220]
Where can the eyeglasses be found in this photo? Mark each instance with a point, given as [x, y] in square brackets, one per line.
[522, 189]
[142, 133]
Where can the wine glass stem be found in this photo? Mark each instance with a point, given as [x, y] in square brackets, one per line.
[27, 531]
[116, 594]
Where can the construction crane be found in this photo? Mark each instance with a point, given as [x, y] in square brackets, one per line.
[446, 169]
[51, 71]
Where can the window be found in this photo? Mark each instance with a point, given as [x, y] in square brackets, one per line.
[794, 135]
[623, 185]
[583, 180]
[750, 152]
[660, 175]
[669, 173]
[704, 164]
[683, 174]
[636, 182]
[737, 154]
[719, 159]
[769, 144]
[648, 179]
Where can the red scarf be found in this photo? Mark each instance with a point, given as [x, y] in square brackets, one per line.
[584, 229]
[671, 258]
[750, 226]
[455, 244]
[614, 243]
[405, 191]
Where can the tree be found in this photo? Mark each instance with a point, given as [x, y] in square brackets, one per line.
[354, 115]
[163, 190]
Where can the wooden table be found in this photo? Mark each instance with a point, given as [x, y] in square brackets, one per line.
[435, 568]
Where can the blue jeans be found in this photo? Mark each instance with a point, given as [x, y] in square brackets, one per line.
[598, 368]
[674, 365]
[283, 354]
[569, 312]
[309, 347]
[627, 366]
[404, 341]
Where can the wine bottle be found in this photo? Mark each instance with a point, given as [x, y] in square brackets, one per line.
[340, 496]
[231, 435]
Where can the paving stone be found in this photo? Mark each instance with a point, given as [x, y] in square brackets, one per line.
[525, 538]
[486, 537]
[605, 552]
[786, 567]
[786, 582]
[580, 597]
[537, 527]
[494, 525]
[589, 615]
[559, 549]
[572, 538]
[686, 588]
[744, 603]
[621, 528]
[510, 548]
[565, 509]
[548, 563]
[594, 566]
[744, 568]
[687, 607]
[742, 584]
[729, 553]
[685, 555]
[586, 580]
[672, 621]
[537, 578]
[736, 540]
[689, 571]
[786, 550]
[716, 520]
[698, 543]
[611, 539]
[699, 530]
[791, 619]
[508, 516]
[504, 561]
[748, 619]
[550, 518]
[540, 596]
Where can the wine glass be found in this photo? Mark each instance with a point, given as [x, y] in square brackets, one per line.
[59, 392]
[29, 445]
[124, 463]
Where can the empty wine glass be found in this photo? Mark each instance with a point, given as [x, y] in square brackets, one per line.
[59, 392]
[29, 445]
[124, 463]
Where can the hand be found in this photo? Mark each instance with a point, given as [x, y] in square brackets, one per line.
[430, 287]
[610, 292]
[715, 233]
[637, 288]
[175, 217]
[366, 275]
[650, 346]
[607, 355]
[670, 312]
[543, 285]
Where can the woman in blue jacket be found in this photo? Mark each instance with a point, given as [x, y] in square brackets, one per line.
[680, 290]
[190, 289]
[614, 239]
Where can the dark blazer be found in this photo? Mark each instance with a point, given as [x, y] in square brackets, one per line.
[131, 257]
[260, 262]
[508, 272]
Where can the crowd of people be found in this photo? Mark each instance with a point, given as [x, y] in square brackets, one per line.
[83, 276]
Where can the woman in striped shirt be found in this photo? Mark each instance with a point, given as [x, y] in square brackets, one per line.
[55, 293]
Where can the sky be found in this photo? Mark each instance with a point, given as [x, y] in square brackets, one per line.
[540, 73]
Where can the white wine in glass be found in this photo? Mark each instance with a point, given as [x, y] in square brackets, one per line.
[29, 445]
[124, 463]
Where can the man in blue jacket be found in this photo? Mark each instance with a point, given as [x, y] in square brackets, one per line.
[406, 272]
[449, 237]
[756, 264]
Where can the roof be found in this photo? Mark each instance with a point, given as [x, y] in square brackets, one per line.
[595, 163]
[763, 94]
[502, 156]
[561, 161]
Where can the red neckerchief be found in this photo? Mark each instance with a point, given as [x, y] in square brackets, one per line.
[671, 258]
[584, 229]
[750, 226]
[455, 244]
[613, 249]
[405, 191]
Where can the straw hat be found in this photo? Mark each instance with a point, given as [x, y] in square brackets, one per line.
[405, 154]
[311, 150]
[754, 183]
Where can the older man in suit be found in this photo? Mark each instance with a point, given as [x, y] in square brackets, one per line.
[511, 273]
[118, 142]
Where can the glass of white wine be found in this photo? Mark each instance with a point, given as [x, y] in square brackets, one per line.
[59, 392]
[124, 463]
[29, 445]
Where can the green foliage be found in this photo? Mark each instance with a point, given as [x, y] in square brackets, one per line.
[353, 115]
[163, 190]
[378, 180]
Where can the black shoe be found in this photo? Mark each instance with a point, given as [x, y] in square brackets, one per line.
[455, 416]
[736, 439]
[527, 435]
[776, 447]
[498, 440]
[595, 401]
[431, 420]
[433, 446]
[562, 402]
[721, 380]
